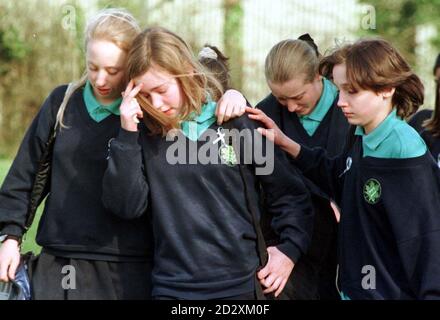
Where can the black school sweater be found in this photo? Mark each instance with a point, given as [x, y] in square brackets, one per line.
[398, 234]
[318, 266]
[330, 135]
[419, 118]
[433, 144]
[74, 222]
[205, 244]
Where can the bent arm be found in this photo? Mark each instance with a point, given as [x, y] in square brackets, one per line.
[125, 187]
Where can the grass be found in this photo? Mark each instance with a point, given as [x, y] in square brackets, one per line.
[29, 239]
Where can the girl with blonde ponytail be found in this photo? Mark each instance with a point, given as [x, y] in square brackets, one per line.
[111, 257]
[302, 103]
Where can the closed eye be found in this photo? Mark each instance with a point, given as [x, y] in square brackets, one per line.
[162, 89]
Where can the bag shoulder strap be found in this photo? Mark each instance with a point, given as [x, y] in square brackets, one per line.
[43, 172]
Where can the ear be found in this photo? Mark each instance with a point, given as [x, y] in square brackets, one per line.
[318, 77]
[388, 93]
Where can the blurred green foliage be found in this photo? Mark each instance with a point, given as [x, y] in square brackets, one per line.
[233, 39]
[398, 21]
[38, 51]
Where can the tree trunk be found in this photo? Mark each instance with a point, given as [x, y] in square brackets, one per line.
[233, 39]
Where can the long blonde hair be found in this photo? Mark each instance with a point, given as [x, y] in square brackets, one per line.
[164, 49]
[115, 25]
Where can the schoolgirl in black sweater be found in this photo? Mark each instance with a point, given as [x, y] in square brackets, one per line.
[303, 103]
[205, 242]
[111, 257]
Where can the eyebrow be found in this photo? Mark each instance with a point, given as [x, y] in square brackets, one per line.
[292, 97]
[106, 67]
[160, 85]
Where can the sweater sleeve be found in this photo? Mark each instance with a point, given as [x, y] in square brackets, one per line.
[327, 173]
[287, 198]
[125, 187]
[414, 217]
[17, 186]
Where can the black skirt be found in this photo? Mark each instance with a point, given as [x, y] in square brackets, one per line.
[58, 278]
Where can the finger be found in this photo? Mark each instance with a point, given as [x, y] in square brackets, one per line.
[264, 272]
[134, 103]
[263, 118]
[253, 110]
[270, 134]
[228, 113]
[256, 117]
[129, 87]
[269, 289]
[217, 108]
[281, 287]
[221, 113]
[269, 281]
[242, 110]
[13, 268]
[3, 271]
[274, 285]
[262, 131]
[259, 115]
[135, 91]
[236, 112]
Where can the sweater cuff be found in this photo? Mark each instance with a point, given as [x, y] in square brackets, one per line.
[128, 137]
[304, 158]
[290, 250]
[12, 230]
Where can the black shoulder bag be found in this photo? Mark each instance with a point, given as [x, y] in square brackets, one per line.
[42, 178]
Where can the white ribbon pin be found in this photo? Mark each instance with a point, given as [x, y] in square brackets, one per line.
[348, 164]
[221, 136]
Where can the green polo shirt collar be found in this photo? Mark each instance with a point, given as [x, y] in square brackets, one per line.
[311, 121]
[96, 110]
[194, 128]
[380, 133]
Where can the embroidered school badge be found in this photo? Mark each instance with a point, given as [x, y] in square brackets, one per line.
[372, 191]
[227, 155]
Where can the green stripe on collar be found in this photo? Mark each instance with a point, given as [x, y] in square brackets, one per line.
[193, 129]
[96, 110]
